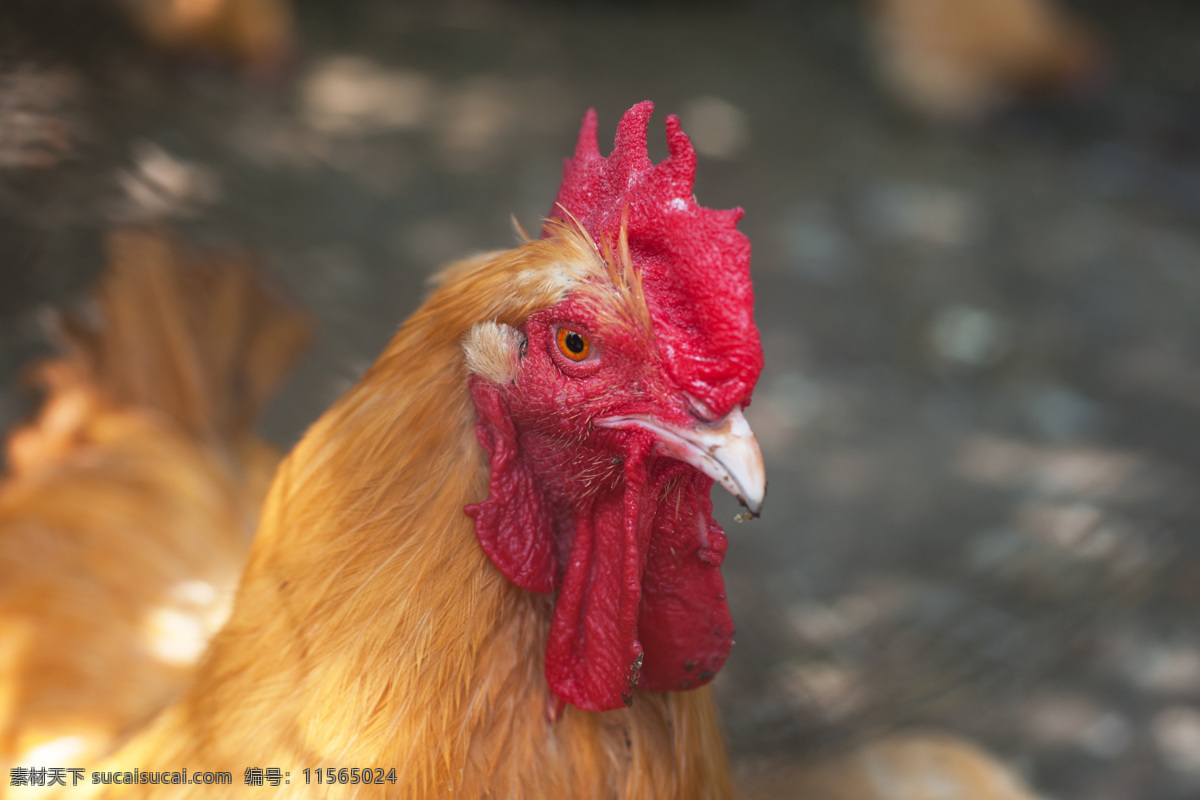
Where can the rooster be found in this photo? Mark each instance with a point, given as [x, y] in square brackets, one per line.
[491, 569]
[505, 527]
[131, 500]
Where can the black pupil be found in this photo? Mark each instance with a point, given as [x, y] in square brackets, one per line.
[574, 342]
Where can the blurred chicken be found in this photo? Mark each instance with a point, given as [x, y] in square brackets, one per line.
[899, 767]
[957, 61]
[131, 500]
[258, 35]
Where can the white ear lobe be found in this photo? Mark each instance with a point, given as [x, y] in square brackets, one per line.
[493, 351]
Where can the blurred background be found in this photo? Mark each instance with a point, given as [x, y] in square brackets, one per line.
[976, 229]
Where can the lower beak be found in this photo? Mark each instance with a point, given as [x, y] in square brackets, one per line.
[725, 451]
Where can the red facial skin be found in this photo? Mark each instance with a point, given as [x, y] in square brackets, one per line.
[625, 536]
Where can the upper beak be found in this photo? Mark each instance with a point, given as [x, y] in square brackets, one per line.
[725, 451]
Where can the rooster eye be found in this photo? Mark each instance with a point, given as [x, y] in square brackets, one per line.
[573, 345]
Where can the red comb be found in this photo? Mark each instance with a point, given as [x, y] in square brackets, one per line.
[695, 264]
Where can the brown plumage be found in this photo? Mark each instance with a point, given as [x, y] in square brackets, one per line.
[131, 499]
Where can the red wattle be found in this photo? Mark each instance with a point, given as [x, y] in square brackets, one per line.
[685, 625]
[593, 656]
[642, 601]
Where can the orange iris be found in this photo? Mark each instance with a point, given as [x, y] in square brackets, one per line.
[572, 344]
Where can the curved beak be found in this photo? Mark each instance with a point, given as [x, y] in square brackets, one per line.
[725, 451]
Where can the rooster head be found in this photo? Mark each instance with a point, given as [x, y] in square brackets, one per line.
[608, 416]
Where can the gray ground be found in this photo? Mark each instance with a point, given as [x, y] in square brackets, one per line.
[982, 390]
